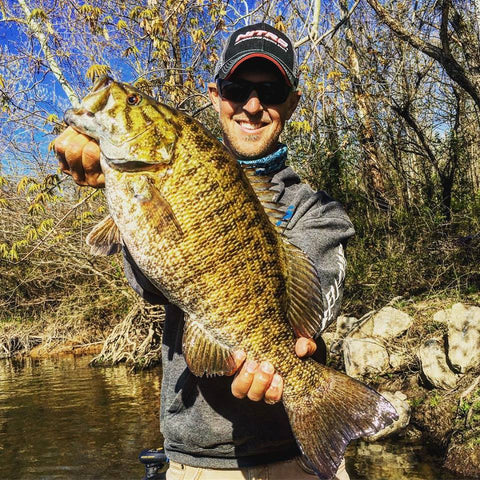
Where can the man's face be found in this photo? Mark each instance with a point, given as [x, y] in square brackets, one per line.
[250, 128]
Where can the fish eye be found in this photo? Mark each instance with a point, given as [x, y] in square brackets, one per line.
[134, 99]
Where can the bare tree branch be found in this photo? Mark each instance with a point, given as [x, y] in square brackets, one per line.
[49, 56]
[453, 68]
[330, 32]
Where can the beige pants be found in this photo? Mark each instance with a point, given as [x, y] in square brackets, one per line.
[290, 470]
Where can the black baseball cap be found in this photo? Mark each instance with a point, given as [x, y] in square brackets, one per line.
[258, 41]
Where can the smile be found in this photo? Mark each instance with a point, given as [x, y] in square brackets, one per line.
[250, 126]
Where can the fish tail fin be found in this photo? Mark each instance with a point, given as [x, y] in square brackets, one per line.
[326, 419]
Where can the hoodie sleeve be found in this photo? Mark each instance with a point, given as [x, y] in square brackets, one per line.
[320, 227]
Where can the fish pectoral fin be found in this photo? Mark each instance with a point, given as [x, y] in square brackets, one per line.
[304, 293]
[204, 353]
[160, 211]
[104, 239]
[166, 216]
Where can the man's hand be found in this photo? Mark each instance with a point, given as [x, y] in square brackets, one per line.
[259, 382]
[79, 156]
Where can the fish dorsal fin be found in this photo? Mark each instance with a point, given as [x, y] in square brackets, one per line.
[104, 239]
[305, 307]
[262, 184]
[305, 303]
[204, 353]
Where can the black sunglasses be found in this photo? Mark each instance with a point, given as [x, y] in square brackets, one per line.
[269, 93]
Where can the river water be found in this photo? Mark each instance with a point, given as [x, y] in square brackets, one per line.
[61, 419]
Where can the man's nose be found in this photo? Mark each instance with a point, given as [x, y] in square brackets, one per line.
[253, 104]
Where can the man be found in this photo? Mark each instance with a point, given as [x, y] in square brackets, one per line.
[211, 430]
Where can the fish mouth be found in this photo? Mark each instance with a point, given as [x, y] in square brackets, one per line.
[71, 113]
[71, 116]
[130, 165]
[102, 83]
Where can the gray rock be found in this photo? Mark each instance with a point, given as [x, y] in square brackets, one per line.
[344, 325]
[434, 365]
[398, 360]
[402, 406]
[329, 338]
[364, 357]
[388, 323]
[464, 337]
[442, 316]
[334, 340]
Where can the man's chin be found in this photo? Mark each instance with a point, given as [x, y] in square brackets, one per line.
[251, 151]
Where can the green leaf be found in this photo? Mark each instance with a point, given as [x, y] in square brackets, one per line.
[38, 14]
[96, 71]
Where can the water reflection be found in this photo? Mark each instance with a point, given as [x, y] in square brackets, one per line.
[62, 419]
[394, 460]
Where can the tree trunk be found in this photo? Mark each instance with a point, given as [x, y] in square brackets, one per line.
[371, 167]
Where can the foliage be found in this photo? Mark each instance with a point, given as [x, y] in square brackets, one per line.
[410, 253]
[383, 126]
[47, 272]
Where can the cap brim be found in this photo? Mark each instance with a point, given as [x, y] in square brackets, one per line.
[229, 68]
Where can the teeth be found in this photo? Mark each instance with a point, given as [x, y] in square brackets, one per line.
[250, 126]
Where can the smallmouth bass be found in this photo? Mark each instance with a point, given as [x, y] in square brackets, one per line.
[208, 235]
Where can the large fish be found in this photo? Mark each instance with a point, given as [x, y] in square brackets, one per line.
[207, 234]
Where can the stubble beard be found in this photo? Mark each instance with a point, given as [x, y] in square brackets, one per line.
[237, 146]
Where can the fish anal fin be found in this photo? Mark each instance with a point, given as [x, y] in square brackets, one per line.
[204, 353]
[327, 418]
[104, 239]
[305, 303]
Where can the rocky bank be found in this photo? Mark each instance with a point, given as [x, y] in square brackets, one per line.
[426, 361]
[423, 357]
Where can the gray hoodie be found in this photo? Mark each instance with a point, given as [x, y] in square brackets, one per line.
[202, 423]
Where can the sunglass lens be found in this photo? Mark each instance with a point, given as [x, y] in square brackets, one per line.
[269, 93]
[272, 93]
[235, 92]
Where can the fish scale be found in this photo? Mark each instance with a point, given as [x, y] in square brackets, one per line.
[198, 233]
[194, 225]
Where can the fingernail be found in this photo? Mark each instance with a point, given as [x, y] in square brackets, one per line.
[276, 381]
[267, 367]
[239, 355]
[251, 366]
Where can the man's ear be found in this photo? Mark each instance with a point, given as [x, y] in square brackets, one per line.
[293, 100]
[214, 96]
